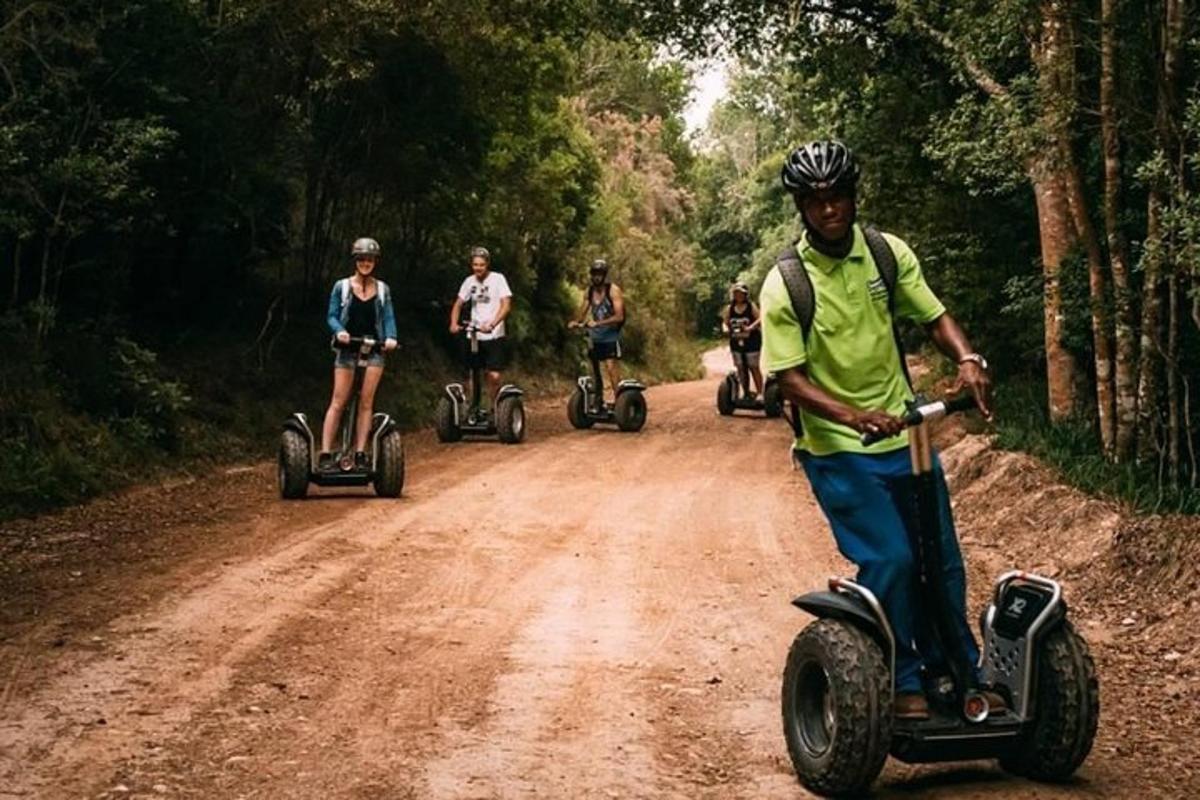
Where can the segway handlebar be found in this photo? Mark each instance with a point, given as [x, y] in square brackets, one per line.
[926, 412]
[371, 344]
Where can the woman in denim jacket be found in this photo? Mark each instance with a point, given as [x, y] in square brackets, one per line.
[360, 305]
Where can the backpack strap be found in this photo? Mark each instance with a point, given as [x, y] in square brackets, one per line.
[804, 304]
[799, 288]
[345, 284]
[885, 262]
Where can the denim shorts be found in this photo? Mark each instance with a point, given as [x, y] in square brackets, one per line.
[348, 359]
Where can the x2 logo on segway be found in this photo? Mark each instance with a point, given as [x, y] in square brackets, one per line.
[1017, 610]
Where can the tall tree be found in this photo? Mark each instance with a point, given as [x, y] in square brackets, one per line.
[1118, 250]
[1157, 261]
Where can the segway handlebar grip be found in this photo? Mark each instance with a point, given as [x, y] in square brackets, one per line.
[873, 437]
[355, 342]
[965, 402]
[917, 415]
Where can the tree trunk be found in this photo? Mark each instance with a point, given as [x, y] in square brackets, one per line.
[1150, 362]
[1174, 418]
[1158, 259]
[1054, 58]
[1118, 249]
[1057, 236]
[1098, 293]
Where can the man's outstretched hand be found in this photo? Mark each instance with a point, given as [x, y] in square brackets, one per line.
[974, 378]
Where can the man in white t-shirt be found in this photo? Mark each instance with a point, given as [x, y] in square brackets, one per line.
[490, 301]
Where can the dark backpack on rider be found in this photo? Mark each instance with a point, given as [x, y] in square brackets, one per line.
[804, 301]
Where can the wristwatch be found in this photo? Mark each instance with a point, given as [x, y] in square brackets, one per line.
[978, 359]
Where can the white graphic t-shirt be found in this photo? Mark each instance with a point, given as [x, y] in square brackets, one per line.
[485, 296]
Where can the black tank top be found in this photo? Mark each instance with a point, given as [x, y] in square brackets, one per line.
[752, 343]
[361, 321]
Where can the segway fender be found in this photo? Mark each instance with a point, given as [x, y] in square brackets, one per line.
[458, 399]
[846, 608]
[509, 390]
[298, 422]
[382, 424]
[585, 384]
[627, 385]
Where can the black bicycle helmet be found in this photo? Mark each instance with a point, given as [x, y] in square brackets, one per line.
[820, 165]
[599, 265]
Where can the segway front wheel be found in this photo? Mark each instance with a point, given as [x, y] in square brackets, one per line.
[510, 420]
[725, 395]
[389, 465]
[294, 462]
[447, 428]
[837, 708]
[630, 410]
[1066, 710]
[773, 400]
[577, 410]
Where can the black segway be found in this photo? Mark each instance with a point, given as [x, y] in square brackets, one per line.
[456, 417]
[734, 392]
[586, 406]
[840, 673]
[298, 447]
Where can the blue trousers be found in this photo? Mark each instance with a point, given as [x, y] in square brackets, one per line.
[866, 498]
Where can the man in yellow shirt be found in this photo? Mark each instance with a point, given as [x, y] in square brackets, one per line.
[843, 369]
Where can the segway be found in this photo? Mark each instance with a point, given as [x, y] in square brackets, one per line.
[838, 682]
[298, 447]
[456, 417]
[734, 392]
[586, 406]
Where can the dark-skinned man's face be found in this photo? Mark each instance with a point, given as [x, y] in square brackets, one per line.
[830, 212]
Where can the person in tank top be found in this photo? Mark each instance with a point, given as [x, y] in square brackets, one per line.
[359, 306]
[742, 322]
[603, 314]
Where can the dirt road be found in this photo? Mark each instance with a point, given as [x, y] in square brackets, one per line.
[591, 614]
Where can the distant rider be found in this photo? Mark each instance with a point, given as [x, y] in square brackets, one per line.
[490, 302]
[848, 379]
[603, 314]
[359, 306]
[742, 322]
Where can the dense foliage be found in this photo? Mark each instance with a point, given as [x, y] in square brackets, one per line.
[180, 181]
[967, 118]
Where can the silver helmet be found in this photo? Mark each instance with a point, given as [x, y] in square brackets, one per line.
[366, 247]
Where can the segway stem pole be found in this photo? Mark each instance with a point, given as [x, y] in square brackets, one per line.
[926, 515]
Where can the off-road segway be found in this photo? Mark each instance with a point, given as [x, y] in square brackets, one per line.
[837, 685]
[734, 392]
[298, 447]
[456, 417]
[586, 405]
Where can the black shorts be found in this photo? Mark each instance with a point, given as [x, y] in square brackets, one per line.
[605, 351]
[492, 354]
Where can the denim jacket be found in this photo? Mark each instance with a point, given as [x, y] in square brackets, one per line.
[339, 308]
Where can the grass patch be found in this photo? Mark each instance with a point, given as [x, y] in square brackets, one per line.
[1072, 447]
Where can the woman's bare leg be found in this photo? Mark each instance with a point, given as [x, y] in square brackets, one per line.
[343, 379]
[366, 407]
